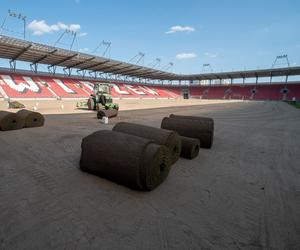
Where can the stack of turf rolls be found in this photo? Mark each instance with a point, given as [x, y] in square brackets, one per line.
[201, 128]
[140, 156]
[127, 159]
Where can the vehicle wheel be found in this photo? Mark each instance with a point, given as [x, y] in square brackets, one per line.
[91, 104]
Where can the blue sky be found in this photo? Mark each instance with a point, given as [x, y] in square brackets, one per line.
[230, 35]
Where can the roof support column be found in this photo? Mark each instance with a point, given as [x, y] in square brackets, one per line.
[34, 67]
[52, 69]
[93, 74]
[67, 71]
[286, 79]
[13, 64]
[79, 72]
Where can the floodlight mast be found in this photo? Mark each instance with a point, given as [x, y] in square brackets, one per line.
[22, 18]
[155, 63]
[168, 66]
[207, 66]
[18, 16]
[66, 32]
[137, 58]
[281, 58]
[106, 50]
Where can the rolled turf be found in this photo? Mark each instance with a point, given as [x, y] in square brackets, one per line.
[126, 159]
[107, 113]
[189, 147]
[31, 119]
[10, 121]
[168, 138]
[208, 120]
[190, 128]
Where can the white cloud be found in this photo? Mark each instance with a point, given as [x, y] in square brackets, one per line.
[41, 27]
[179, 28]
[211, 55]
[61, 26]
[74, 27]
[181, 56]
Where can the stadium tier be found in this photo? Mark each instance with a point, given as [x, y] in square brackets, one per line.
[293, 92]
[248, 92]
[23, 86]
[240, 92]
[18, 85]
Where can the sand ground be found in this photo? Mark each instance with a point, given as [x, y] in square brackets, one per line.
[244, 193]
[69, 106]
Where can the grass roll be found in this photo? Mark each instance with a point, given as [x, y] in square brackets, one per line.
[189, 147]
[10, 121]
[168, 138]
[31, 119]
[107, 113]
[190, 128]
[130, 160]
[208, 120]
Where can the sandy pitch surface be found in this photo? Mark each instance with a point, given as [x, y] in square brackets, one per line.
[241, 194]
[69, 106]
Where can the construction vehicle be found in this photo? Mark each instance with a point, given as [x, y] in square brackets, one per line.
[101, 99]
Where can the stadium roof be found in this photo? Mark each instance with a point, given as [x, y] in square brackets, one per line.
[16, 49]
[244, 74]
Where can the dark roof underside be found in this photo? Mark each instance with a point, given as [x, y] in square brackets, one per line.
[16, 49]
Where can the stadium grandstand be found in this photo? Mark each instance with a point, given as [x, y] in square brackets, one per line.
[101, 152]
[32, 84]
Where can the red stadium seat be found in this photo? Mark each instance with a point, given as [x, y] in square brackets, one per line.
[293, 91]
[269, 92]
[65, 88]
[241, 92]
[16, 86]
[34, 86]
[198, 91]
